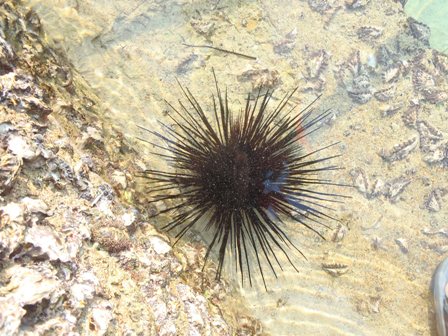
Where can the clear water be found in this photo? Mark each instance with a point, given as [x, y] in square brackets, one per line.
[132, 51]
[434, 13]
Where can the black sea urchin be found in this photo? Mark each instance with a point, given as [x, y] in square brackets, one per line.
[240, 178]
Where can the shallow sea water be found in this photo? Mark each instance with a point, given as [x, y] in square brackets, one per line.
[433, 13]
[132, 51]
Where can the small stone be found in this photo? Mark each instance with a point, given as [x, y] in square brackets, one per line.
[101, 317]
[92, 138]
[14, 211]
[129, 218]
[49, 241]
[390, 110]
[159, 245]
[119, 179]
[19, 146]
[34, 205]
[28, 286]
[339, 233]
[10, 316]
[403, 245]
[377, 243]
[84, 289]
[356, 4]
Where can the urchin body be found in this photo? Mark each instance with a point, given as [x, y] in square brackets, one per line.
[243, 177]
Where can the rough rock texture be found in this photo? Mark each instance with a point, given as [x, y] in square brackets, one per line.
[388, 96]
[74, 258]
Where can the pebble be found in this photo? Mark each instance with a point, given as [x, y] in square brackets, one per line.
[19, 146]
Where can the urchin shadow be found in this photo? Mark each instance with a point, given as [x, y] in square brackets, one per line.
[237, 180]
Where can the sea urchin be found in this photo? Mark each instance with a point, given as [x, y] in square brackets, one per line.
[242, 177]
